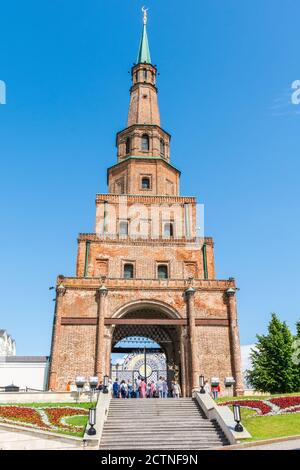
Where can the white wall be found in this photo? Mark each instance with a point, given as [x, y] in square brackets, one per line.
[23, 374]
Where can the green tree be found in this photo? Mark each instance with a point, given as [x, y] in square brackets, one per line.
[296, 355]
[273, 369]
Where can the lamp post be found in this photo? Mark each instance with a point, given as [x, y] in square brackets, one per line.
[92, 421]
[79, 381]
[201, 383]
[105, 384]
[93, 381]
[237, 418]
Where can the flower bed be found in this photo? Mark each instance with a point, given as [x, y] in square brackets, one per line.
[22, 414]
[272, 406]
[55, 416]
[286, 402]
[43, 417]
[260, 406]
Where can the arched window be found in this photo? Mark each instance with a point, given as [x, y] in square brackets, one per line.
[145, 74]
[145, 182]
[145, 142]
[168, 230]
[162, 148]
[162, 271]
[128, 271]
[128, 145]
[123, 228]
[136, 76]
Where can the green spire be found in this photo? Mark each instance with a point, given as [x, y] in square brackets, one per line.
[144, 50]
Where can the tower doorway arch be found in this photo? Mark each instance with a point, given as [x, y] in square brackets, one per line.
[144, 348]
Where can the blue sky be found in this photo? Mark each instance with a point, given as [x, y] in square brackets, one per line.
[225, 96]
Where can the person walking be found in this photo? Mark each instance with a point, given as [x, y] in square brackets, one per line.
[116, 389]
[68, 387]
[143, 388]
[159, 387]
[123, 389]
[215, 391]
[165, 388]
[207, 387]
[176, 390]
[99, 387]
[152, 389]
[137, 387]
[130, 389]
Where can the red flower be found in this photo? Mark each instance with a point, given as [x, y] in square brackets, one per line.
[286, 402]
[22, 414]
[55, 415]
[257, 405]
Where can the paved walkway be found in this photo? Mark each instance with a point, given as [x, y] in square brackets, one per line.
[292, 444]
[18, 440]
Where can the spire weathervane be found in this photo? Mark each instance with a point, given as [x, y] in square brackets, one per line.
[144, 10]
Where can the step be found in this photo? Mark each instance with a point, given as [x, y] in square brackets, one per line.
[164, 432]
[199, 446]
[160, 426]
[158, 441]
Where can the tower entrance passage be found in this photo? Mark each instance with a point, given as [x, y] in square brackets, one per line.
[141, 348]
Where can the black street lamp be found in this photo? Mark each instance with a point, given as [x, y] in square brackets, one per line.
[105, 384]
[201, 383]
[92, 421]
[237, 418]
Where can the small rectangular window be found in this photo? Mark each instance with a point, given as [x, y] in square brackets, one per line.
[162, 271]
[123, 228]
[128, 271]
[146, 182]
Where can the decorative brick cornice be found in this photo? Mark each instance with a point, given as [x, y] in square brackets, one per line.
[161, 241]
[144, 126]
[117, 284]
[145, 199]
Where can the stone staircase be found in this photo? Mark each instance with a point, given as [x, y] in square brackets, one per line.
[159, 424]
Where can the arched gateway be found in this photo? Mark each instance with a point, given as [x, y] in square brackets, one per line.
[144, 271]
[151, 349]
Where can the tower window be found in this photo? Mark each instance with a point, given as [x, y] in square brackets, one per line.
[128, 145]
[145, 74]
[146, 183]
[136, 76]
[128, 271]
[162, 271]
[123, 228]
[145, 142]
[162, 148]
[168, 230]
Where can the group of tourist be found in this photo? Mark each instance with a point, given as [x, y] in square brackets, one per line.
[142, 389]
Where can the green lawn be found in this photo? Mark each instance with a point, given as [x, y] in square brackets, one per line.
[267, 427]
[77, 420]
